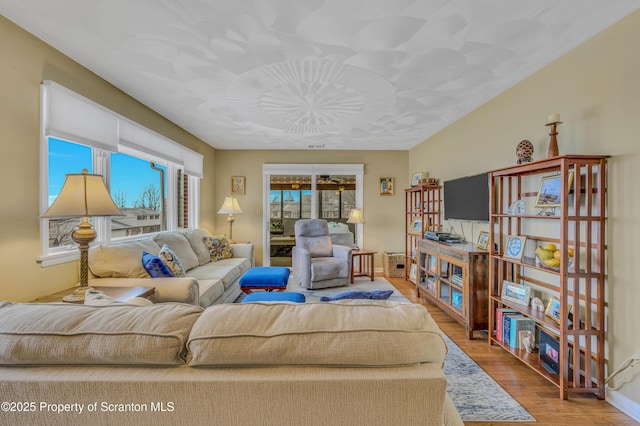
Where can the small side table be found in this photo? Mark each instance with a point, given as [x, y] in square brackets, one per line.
[365, 263]
[120, 293]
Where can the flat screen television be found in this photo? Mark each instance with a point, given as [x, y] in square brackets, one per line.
[549, 352]
[467, 198]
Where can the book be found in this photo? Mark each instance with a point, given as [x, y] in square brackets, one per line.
[517, 324]
[499, 318]
[506, 327]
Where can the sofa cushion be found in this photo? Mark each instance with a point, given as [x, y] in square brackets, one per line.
[173, 262]
[68, 334]
[218, 247]
[210, 290]
[316, 333]
[195, 236]
[180, 247]
[325, 268]
[155, 266]
[227, 270]
[121, 260]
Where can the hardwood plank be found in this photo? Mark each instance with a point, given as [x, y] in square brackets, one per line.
[533, 392]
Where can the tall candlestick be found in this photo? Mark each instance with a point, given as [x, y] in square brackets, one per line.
[553, 118]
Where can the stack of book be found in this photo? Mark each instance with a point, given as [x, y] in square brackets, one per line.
[457, 279]
[512, 326]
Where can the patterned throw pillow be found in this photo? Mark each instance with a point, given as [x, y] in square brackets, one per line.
[155, 266]
[171, 260]
[219, 247]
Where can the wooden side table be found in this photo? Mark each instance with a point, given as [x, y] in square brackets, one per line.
[120, 293]
[365, 263]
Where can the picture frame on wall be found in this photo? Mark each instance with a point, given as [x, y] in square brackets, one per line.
[483, 240]
[515, 247]
[386, 186]
[237, 185]
[516, 293]
[549, 194]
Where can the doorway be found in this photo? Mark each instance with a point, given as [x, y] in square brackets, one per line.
[308, 191]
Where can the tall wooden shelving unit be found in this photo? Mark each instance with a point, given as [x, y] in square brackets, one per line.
[578, 222]
[422, 203]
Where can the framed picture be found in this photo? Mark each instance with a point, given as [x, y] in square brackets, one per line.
[553, 309]
[386, 186]
[237, 185]
[549, 194]
[416, 227]
[515, 247]
[483, 240]
[413, 273]
[415, 179]
[516, 293]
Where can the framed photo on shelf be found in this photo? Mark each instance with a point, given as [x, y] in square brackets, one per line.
[416, 227]
[413, 272]
[515, 247]
[549, 194]
[516, 293]
[386, 186]
[483, 240]
[553, 309]
[415, 179]
[237, 185]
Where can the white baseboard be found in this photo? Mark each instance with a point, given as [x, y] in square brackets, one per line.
[624, 404]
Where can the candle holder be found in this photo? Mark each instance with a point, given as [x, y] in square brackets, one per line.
[553, 141]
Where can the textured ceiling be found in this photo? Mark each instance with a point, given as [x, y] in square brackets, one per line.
[300, 74]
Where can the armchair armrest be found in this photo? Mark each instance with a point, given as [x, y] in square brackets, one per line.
[185, 290]
[342, 252]
[301, 264]
[243, 250]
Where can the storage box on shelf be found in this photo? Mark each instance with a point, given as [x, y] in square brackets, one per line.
[454, 276]
[423, 204]
[574, 219]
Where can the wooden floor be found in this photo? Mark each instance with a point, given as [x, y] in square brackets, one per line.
[534, 393]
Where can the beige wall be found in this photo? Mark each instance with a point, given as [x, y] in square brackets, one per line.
[26, 62]
[384, 227]
[596, 89]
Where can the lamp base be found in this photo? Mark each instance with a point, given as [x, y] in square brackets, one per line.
[77, 296]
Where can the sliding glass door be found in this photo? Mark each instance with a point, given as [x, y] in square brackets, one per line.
[303, 191]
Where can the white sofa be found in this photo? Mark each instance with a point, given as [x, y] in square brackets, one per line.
[318, 363]
[206, 283]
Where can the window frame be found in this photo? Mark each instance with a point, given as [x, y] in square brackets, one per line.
[52, 125]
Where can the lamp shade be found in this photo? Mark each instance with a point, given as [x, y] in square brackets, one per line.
[230, 206]
[355, 216]
[83, 195]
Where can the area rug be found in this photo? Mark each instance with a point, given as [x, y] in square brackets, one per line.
[477, 397]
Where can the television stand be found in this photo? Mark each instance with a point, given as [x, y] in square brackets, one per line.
[454, 277]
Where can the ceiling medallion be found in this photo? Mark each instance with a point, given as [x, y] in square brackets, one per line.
[312, 96]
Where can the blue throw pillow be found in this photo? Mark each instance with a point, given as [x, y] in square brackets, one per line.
[375, 294]
[154, 266]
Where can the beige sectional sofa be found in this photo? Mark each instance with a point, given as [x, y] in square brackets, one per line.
[318, 363]
[206, 282]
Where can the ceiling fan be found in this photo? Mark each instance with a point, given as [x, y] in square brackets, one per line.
[326, 179]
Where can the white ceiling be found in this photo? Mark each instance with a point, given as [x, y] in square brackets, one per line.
[300, 74]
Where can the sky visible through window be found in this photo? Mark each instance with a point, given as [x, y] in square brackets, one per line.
[129, 175]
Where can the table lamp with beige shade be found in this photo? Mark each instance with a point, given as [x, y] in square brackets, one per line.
[83, 195]
[230, 207]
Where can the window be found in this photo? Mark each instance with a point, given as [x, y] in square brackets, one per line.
[64, 157]
[154, 181]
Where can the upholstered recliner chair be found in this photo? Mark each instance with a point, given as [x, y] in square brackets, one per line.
[317, 263]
